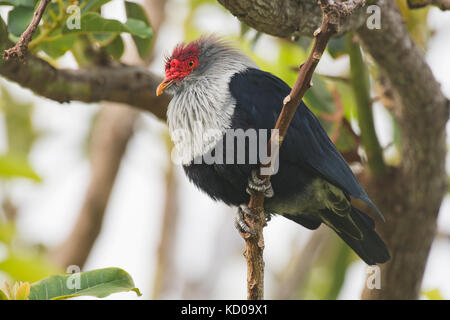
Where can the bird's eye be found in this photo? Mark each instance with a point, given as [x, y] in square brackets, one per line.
[191, 64]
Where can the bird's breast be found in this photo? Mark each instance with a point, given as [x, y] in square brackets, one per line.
[198, 117]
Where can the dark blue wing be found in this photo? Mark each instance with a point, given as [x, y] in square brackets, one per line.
[259, 97]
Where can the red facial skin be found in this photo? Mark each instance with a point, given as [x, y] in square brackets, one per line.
[184, 59]
[182, 62]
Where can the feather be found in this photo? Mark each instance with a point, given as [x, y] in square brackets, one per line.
[259, 98]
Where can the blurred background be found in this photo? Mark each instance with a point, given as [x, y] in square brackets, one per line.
[105, 169]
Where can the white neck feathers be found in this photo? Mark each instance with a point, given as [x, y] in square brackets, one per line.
[202, 108]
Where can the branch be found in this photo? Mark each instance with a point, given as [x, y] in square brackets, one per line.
[332, 14]
[21, 47]
[442, 4]
[132, 85]
[409, 197]
[361, 90]
[288, 18]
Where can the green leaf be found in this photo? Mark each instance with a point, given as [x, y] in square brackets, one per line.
[103, 38]
[54, 8]
[136, 12]
[13, 166]
[139, 28]
[98, 283]
[115, 48]
[59, 46]
[92, 22]
[19, 18]
[16, 3]
[92, 5]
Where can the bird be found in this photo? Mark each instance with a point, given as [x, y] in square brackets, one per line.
[217, 89]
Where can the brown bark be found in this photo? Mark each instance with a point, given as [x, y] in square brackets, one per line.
[409, 196]
[20, 48]
[287, 18]
[133, 85]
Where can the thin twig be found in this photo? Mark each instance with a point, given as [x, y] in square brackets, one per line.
[255, 243]
[21, 47]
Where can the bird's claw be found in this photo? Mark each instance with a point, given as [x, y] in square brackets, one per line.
[239, 222]
[255, 184]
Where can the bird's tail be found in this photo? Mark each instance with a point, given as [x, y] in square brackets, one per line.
[368, 245]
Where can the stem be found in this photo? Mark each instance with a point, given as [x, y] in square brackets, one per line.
[361, 89]
[21, 47]
[255, 243]
[43, 37]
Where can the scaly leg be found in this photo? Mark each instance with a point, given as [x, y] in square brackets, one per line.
[239, 221]
[255, 184]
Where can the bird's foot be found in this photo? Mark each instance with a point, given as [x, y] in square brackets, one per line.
[255, 184]
[239, 222]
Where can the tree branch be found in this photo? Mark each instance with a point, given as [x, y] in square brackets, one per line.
[442, 4]
[288, 18]
[361, 89]
[332, 14]
[132, 85]
[21, 47]
[409, 197]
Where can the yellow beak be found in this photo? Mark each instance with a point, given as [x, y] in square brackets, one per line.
[163, 86]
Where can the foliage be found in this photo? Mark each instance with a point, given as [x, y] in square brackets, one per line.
[61, 28]
[97, 283]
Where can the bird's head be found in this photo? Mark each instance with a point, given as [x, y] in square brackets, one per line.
[208, 57]
[181, 63]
